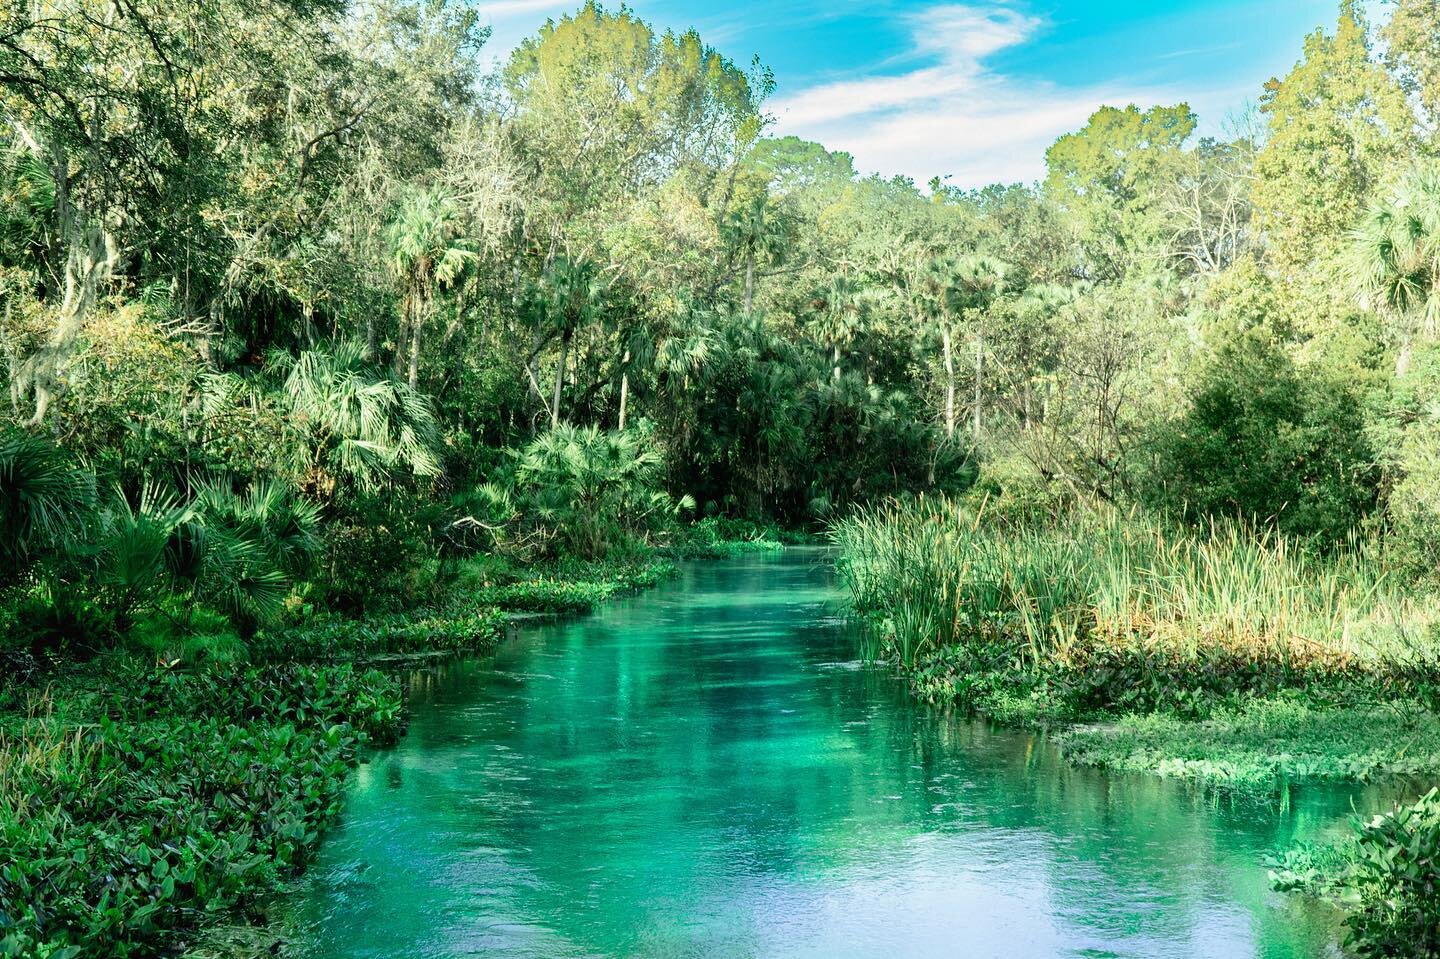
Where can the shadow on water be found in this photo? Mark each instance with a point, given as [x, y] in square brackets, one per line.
[706, 770]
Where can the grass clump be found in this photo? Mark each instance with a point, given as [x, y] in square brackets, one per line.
[570, 589]
[1107, 612]
[166, 810]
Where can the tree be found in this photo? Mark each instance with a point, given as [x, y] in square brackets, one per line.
[957, 289]
[428, 255]
[758, 234]
[1106, 177]
[573, 295]
[1337, 122]
[1267, 440]
[1204, 204]
[1412, 51]
[843, 313]
[607, 110]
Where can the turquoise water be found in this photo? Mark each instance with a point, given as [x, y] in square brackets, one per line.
[706, 770]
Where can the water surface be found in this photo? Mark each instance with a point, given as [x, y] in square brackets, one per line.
[705, 770]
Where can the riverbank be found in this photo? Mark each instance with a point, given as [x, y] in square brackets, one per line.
[1225, 656]
[145, 803]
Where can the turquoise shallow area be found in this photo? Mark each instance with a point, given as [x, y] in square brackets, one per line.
[706, 770]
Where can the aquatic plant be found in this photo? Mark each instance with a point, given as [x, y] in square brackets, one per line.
[182, 800]
[1397, 876]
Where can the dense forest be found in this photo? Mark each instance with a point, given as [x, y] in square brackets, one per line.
[308, 316]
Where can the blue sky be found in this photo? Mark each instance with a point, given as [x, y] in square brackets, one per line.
[976, 90]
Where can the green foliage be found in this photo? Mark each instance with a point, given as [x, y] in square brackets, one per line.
[1268, 440]
[193, 795]
[379, 550]
[44, 499]
[1106, 175]
[234, 552]
[1336, 123]
[460, 626]
[715, 537]
[1265, 745]
[1407, 429]
[587, 492]
[1397, 876]
[355, 425]
[577, 590]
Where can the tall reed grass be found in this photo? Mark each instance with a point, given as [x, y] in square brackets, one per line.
[939, 573]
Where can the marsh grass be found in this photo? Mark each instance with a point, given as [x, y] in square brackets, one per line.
[934, 573]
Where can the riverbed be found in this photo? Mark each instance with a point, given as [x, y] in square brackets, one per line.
[707, 770]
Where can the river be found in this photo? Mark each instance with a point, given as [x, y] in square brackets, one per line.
[706, 770]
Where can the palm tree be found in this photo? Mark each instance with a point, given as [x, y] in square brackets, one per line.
[573, 296]
[845, 312]
[594, 487]
[428, 254]
[980, 282]
[356, 422]
[935, 285]
[759, 235]
[1393, 261]
[44, 499]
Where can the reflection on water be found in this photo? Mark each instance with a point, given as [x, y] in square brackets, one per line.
[706, 771]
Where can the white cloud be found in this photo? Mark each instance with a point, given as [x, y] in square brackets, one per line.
[952, 114]
[510, 8]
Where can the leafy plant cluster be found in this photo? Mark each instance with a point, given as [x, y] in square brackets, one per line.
[173, 806]
[1388, 871]
[1397, 876]
[467, 625]
[575, 591]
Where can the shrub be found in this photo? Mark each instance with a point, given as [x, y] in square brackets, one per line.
[581, 492]
[1267, 439]
[379, 551]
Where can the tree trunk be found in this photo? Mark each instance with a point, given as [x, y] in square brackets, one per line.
[949, 354]
[402, 335]
[749, 282]
[1406, 351]
[414, 371]
[624, 387]
[979, 361]
[559, 379]
[835, 359]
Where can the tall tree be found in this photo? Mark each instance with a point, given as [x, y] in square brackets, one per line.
[428, 254]
[1337, 122]
[1106, 176]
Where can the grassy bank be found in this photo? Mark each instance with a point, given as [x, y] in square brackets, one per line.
[142, 805]
[1222, 655]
